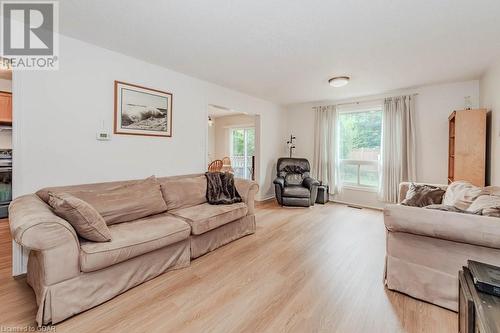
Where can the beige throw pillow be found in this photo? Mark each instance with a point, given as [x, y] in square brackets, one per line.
[83, 217]
[461, 194]
[127, 202]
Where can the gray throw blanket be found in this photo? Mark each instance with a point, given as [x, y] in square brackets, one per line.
[221, 189]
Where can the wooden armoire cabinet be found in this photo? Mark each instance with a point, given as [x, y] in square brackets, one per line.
[5, 108]
[467, 146]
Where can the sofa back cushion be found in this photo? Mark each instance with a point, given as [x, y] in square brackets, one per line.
[88, 223]
[461, 194]
[186, 191]
[293, 179]
[44, 192]
[125, 202]
[487, 203]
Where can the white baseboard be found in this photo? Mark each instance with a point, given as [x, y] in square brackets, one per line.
[260, 199]
[357, 205]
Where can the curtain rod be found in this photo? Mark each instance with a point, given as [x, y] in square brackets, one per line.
[370, 100]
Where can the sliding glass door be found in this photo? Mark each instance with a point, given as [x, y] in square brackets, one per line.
[242, 151]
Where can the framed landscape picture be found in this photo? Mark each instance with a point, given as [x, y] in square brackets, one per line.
[142, 111]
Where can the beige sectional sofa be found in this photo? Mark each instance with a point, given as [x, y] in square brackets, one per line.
[70, 275]
[426, 248]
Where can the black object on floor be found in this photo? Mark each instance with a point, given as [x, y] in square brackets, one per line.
[323, 194]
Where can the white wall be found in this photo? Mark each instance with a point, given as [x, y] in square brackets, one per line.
[5, 85]
[490, 99]
[432, 107]
[58, 113]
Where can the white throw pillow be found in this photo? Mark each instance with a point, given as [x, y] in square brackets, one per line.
[487, 203]
[461, 194]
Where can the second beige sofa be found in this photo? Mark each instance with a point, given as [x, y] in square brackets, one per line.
[70, 275]
[426, 248]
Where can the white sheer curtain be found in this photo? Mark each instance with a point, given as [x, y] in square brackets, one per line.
[325, 152]
[398, 146]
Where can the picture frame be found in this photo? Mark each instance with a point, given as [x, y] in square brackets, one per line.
[142, 111]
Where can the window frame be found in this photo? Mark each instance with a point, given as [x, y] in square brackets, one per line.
[358, 163]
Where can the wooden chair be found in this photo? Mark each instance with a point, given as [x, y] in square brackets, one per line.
[226, 165]
[215, 166]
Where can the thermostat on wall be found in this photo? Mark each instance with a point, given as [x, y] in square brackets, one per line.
[103, 136]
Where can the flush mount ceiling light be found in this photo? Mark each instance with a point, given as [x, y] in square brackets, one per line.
[339, 81]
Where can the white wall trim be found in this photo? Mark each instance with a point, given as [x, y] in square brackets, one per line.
[19, 255]
[265, 198]
[357, 205]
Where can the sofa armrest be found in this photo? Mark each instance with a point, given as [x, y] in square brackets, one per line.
[404, 186]
[247, 189]
[34, 226]
[456, 227]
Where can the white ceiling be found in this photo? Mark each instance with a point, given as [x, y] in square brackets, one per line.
[216, 111]
[286, 50]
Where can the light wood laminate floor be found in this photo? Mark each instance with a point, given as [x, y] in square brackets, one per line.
[305, 270]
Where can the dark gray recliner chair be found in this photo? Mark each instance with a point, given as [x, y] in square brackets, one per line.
[293, 184]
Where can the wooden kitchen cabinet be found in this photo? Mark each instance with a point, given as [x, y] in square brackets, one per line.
[5, 108]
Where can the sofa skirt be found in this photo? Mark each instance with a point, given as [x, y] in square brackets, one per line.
[427, 268]
[215, 238]
[62, 300]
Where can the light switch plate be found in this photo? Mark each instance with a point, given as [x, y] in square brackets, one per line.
[103, 136]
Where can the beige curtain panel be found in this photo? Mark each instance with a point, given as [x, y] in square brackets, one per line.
[398, 146]
[324, 146]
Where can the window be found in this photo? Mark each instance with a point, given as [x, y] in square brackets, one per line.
[359, 142]
[242, 151]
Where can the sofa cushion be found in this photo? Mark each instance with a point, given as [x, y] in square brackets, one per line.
[82, 216]
[460, 194]
[296, 191]
[127, 202]
[131, 239]
[44, 192]
[184, 192]
[205, 217]
[294, 179]
[487, 203]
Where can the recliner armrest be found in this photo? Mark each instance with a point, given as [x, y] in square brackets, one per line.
[279, 181]
[309, 182]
